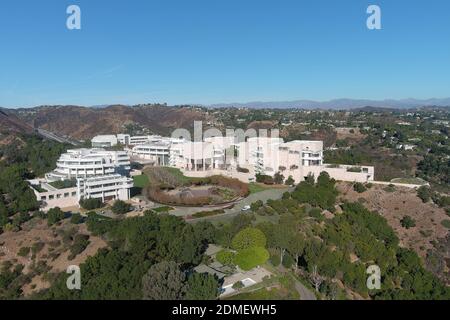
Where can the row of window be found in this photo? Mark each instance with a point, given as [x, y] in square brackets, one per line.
[59, 196]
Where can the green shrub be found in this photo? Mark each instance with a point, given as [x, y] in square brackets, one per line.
[64, 184]
[446, 223]
[242, 170]
[91, 204]
[248, 238]
[37, 247]
[408, 222]
[80, 243]
[316, 213]
[121, 207]
[288, 261]
[250, 258]
[424, 193]
[55, 215]
[255, 206]
[278, 178]
[275, 259]
[24, 251]
[261, 178]
[76, 218]
[225, 257]
[290, 181]
[238, 285]
[359, 187]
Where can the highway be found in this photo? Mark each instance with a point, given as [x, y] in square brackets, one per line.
[51, 136]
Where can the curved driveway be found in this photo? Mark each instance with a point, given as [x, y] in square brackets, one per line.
[270, 194]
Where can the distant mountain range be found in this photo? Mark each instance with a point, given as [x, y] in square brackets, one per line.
[341, 104]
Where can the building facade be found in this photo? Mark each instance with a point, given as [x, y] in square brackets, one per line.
[255, 155]
[105, 188]
[84, 163]
[95, 173]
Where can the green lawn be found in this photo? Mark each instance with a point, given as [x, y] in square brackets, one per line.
[178, 174]
[64, 184]
[163, 209]
[140, 181]
[174, 172]
[256, 187]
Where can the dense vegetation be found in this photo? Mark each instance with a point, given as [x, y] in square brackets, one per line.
[143, 250]
[323, 250]
[18, 162]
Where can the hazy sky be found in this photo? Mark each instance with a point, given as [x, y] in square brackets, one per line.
[211, 51]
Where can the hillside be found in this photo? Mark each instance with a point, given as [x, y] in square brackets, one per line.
[10, 123]
[84, 123]
[12, 128]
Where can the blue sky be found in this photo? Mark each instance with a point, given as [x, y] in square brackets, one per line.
[212, 51]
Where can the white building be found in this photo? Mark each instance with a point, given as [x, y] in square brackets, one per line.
[128, 140]
[258, 155]
[104, 141]
[106, 188]
[159, 152]
[267, 156]
[98, 174]
[83, 163]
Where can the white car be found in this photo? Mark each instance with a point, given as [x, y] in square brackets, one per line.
[246, 208]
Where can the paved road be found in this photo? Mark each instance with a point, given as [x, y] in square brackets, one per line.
[305, 293]
[52, 136]
[273, 194]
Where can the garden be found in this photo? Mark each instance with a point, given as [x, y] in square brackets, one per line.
[169, 186]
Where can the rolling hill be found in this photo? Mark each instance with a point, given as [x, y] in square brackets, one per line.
[84, 123]
[9, 123]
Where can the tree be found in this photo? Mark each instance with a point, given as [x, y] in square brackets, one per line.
[76, 218]
[289, 181]
[80, 243]
[248, 238]
[54, 216]
[316, 279]
[359, 187]
[121, 207]
[424, 193]
[281, 236]
[202, 287]
[225, 257]
[91, 204]
[164, 281]
[247, 259]
[261, 178]
[278, 178]
[3, 214]
[296, 246]
[256, 205]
